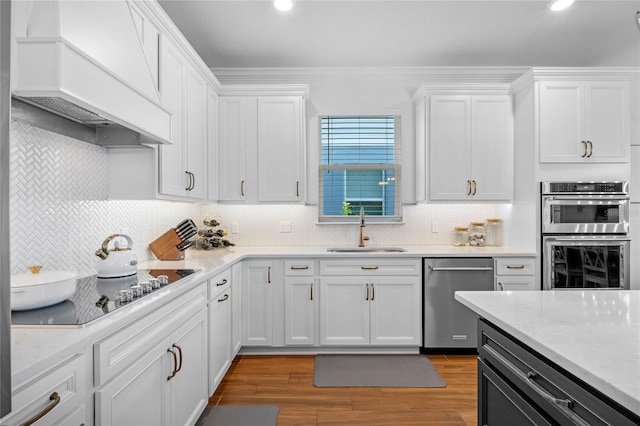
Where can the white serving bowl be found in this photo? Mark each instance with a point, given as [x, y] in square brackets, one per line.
[33, 291]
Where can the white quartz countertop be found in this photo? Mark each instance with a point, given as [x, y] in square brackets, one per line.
[35, 348]
[595, 335]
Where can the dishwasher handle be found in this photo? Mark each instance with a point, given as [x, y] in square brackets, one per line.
[460, 268]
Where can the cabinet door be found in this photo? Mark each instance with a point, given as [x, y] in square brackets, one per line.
[449, 147]
[396, 315]
[515, 283]
[344, 311]
[492, 147]
[560, 124]
[280, 148]
[219, 338]
[196, 150]
[138, 396]
[173, 180]
[212, 144]
[606, 120]
[188, 391]
[257, 295]
[232, 148]
[300, 311]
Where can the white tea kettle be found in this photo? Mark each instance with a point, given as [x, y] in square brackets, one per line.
[117, 262]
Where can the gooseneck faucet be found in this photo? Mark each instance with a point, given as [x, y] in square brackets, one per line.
[362, 238]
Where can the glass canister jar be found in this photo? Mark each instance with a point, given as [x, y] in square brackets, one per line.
[461, 236]
[477, 234]
[494, 231]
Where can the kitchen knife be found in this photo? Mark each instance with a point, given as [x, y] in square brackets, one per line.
[185, 245]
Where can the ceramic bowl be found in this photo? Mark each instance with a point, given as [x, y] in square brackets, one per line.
[33, 291]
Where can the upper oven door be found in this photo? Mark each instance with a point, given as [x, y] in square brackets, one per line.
[585, 214]
[585, 262]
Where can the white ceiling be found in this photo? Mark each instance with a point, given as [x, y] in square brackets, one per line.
[428, 33]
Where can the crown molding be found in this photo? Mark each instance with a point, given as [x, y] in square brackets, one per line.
[264, 90]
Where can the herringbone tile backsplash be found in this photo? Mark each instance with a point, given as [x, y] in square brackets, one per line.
[60, 214]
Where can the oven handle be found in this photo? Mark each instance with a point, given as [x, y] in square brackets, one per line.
[576, 199]
[590, 239]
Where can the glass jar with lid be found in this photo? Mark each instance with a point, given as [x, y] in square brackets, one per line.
[477, 234]
[461, 236]
[494, 231]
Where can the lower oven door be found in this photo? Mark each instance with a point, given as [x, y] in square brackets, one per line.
[585, 262]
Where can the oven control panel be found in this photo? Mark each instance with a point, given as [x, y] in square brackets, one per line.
[585, 187]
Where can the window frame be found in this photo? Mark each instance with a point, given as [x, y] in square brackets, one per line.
[395, 167]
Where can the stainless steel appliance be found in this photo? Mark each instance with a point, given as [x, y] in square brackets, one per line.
[447, 324]
[585, 235]
[96, 297]
[5, 267]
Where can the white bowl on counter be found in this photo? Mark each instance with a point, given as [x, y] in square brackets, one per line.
[33, 291]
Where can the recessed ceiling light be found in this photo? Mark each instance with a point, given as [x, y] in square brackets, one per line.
[283, 5]
[561, 4]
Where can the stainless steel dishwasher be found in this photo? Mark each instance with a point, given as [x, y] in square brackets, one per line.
[448, 324]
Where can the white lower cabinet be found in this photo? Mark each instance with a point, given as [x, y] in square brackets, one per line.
[258, 280]
[301, 303]
[154, 371]
[59, 393]
[220, 308]
[515, 273]
[373, 302]
[236, 309]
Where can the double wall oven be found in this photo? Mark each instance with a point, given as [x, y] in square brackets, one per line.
[585, 235]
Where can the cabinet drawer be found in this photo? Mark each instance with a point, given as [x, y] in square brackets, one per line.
[118, 351]
[219, 283]
[564, 397]
[515, 266]
[373, 266]
[68, 379]
[299, 267]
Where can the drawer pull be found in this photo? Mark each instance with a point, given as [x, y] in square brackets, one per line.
[370, 268]
[299, 268]
[501, 286]
[531, 377]
[515, 266]
[223, 282]
[175, 364]
[56, 400]
[226, 296]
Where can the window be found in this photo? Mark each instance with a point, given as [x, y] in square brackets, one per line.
[360, 167]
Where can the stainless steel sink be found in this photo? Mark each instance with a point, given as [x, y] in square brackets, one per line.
[365, 249]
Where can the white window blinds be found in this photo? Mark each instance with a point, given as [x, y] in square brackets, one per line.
[360, 167]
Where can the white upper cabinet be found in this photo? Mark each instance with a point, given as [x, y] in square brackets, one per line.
[280, 142]
[261, 145]
[583, 121]
[184, 93]
[468, 140]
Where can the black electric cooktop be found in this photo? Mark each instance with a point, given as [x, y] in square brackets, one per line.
[96, 297]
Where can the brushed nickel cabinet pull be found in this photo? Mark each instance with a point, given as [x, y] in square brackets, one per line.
[223, 282]
[297, 188]
[369, 268]
[590, 149]
[585, 149]
[515, 266]
[299, 268]
[180, 352]
[55, 398]
[175, 364]
[500, 286]
[193, 181]
[367, 293]
[189, 182]
[242, 188]
[373, 292]
[269, 275]
[475, 187]
[311, 291]
[468, 187]
[226, 296]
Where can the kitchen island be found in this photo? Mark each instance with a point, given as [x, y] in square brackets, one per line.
[592, 335]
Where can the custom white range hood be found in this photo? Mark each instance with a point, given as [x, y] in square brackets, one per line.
[92, 62]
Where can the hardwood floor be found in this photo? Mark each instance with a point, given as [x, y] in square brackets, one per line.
[287, 382]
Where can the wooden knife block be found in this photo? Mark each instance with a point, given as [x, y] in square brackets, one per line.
[164, 247]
